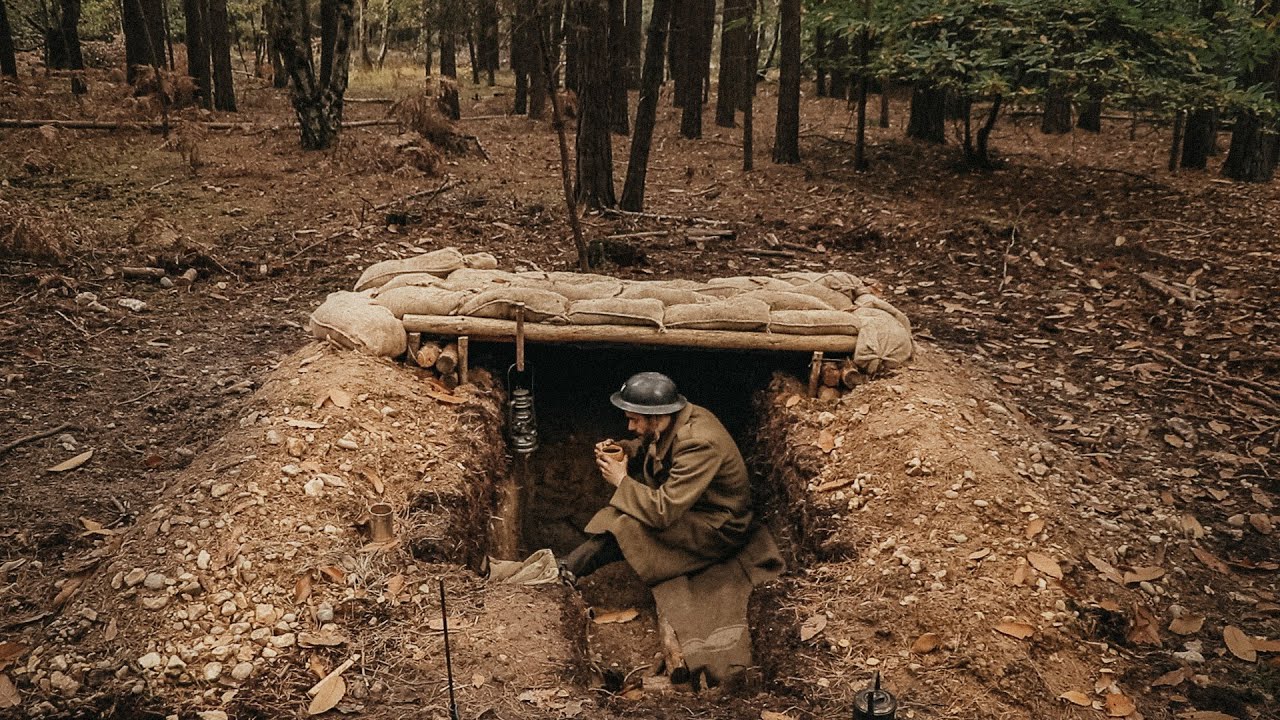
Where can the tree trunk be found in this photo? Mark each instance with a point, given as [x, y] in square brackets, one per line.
[317, 101]
[521, 23]
[224, 92]
[279, 76]
[981, 156]
[786, 142]
[647, 107]
[198, 64]
[1198, 139]
[143, 23]
[449, 69]
[634, 41]
[839, 55]
[885, 85]
[1251, 156]
[681, 45]
[8, 59]
[821, 61]
[594, 151]
[548, 54]
[537, 73]
[733, 51]
[928, 114]
[384, 33]
[860, 141]
[1178, 122]
[362, 35]
[490, 51]
[473, 57]
[1090, 118]
[572, 47]
[748, 88]
[617, 68]
[1056, 119]
[697, 56]
[62, 43]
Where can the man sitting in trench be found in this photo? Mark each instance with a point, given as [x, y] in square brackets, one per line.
[690, 508]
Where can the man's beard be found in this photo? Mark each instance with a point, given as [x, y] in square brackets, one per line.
[649, 437]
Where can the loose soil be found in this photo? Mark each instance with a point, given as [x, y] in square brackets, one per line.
[1055, 383]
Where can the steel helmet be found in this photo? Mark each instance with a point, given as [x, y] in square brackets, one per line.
[649, 393]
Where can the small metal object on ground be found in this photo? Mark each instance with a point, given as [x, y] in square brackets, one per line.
[381, 522]
[875, 704]
[815, 372]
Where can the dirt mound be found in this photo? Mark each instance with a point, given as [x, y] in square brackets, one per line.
[958, 551]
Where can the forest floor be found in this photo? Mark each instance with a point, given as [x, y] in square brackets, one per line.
[1128, 312]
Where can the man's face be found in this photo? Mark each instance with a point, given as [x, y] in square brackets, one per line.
[647, 427]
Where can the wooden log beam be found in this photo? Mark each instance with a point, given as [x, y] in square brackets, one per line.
[485, 329]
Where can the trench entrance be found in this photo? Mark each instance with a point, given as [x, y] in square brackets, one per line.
[560, 487]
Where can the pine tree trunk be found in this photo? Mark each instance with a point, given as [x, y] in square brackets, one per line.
[572, 47]
[981, 157]
[1198, 138]
[1090, 118]
[362, 35]
[62, 43]
[885, 86]
[594, 150]
[860, 140]
[316, 101]
[748, 90]
[537, 73]
[384, 33]
[1251, 157]
[490, 51]
[473, 57]
[697, 56]
[617, 68]
[839, 55]
[1056, 119]
[224, 93]
[821, 61]
[647, 108]
[279, 76]
[143, 23]
[786, 142]
[449, 68]
[635, 41]
[8, 59]
[198, 64]
[681, 44]
[928, 114]
[521, 24]
[733, 47]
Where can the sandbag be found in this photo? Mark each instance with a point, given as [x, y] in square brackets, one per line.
[407, 280]
[598, 290]
[500, 303]
[778, 300]
[664, 293]
[354, 322]
[617, 311]
[834, 279]
[558, 276]
[477, 279]
[437, 262]
[813, 322]
[734, 314]
[480, 261]
[869, 300]
[883, 342]
[412, 300]
[834, 298]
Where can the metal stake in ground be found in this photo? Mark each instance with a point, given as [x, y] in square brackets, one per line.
[448, 658]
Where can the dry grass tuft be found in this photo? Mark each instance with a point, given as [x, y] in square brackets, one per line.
[423, 114]
[28, 232]
[170, 88]
[185, 139]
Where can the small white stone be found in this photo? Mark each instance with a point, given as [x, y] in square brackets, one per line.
[220, 489]
[242, 671]
[212, 671]
[202, 560]
[265, 614]
[211, 715]
[981, 503]
[274, 437]
[134, 577]
[284, 641]
[156, 602]
[175, 663]
[228, 608]
[150, 660]
[314, 487]
[324, 613]
[154, 581]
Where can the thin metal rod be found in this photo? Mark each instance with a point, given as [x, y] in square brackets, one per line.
[520, 337]
[448, 659]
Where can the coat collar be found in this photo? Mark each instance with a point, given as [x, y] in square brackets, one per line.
[661, 448]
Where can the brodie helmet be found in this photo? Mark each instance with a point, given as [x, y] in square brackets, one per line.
[649, 393]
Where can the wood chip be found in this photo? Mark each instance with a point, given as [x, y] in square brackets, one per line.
[826, 442]
[616, 617]
[1045, 564]
[1239, 644]
[72, 463]
[334, 573]
[1018, 630]
[1034, 528]
[8, 693]
[1108, 571]
[1211, 561]
[1075, 697]
[1145, 630]
[302, 588]
[811, 627]
[1261, 522]
[304, 424]
[1119, 705]
[1173, 678]
[1143, 574]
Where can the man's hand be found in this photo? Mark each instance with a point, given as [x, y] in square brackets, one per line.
[613, 471]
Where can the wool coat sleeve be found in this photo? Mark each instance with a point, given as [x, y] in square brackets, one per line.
[695, 462]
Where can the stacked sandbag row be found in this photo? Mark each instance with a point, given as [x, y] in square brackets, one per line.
[797, 303]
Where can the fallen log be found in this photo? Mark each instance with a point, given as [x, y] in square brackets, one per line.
[163, 127]
[850, 376]
[427, 355]
[485, 329]
[448, 360]
[672, 655]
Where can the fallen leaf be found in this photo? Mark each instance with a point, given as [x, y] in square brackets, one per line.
[1263, 645]
[1143, 574]
[316, 664]
[1219, 495]
[1239, 644]
[325, 639]
[617, 617]
[1207, 715]
[771, 715]
[1018, 630]
[1107, 570]
[478, 680]
[1211, 561]
[926, 644]
[1075, 697]
[792, 401]
[8, 693]
[10, 651]
[1172, 678]
[69, 588]
[1045, 564]
[1145, 630]
[1186, 625]
[91, 525]
[979, 554]
[111, 632]
[304, 424]
[1119, 705]
[302, 588]
[1262, 499]
[73, 463]
[444, 397]
[340, 397]
[1175, 440]
[334, 573]
[328, 693]
[1021, 573]
[826, 442]
[811, 627]
[394, 585]
[1034, 528]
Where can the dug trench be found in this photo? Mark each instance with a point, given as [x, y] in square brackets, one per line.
[933, 535]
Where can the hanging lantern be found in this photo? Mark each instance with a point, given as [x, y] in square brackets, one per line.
[522, 423]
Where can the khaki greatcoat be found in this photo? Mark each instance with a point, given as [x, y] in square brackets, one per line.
[690, 508]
